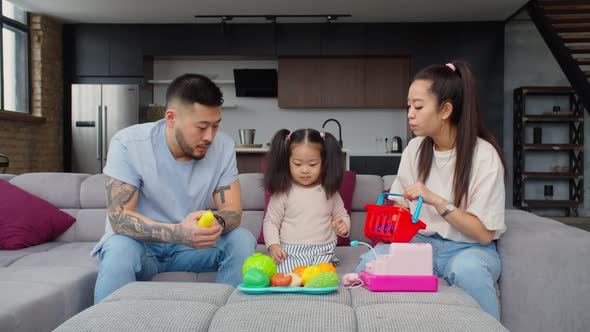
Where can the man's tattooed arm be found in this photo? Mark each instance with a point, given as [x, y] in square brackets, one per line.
[228, 201]
[121, 202]
[232, 219]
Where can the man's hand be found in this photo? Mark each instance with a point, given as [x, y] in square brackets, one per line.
[188, 233]
[277, 253]
[340, 227]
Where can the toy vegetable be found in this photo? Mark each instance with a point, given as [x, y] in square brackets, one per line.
[323, 280]
[296, 280]
[262, 262]
[254, 278]
[279, 280]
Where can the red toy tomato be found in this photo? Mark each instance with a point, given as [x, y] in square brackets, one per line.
[280, 279]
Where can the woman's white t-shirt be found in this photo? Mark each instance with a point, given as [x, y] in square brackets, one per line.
[486, 196]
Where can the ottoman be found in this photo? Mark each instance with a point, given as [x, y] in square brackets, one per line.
[176, 306]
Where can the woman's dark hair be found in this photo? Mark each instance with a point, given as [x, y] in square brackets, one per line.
[194, 88]
[457, 87]
[277, 178]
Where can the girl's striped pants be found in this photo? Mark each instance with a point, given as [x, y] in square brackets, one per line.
[305, 254]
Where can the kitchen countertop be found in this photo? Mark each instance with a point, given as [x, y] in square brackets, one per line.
[374, 154]
[347, 151]
[265, 150]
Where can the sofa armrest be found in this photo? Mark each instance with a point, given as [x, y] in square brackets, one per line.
[545, 281]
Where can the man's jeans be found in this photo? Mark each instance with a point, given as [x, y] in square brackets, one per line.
[124, 260]
[470, 266]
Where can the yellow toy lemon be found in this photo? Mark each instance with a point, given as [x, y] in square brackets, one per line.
[206, 219]
[310, 272]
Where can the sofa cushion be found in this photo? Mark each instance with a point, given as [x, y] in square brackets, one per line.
[27, 220]
[76, 284]
[89, 226]
[7, 257]
[60, 189]
[289, 315]
[215, 307]
[367, 190]
[424, 317]
[6, 177]
[346, 191]
[93, 192]
[74, 254]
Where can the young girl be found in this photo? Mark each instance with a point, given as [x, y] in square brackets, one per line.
[457, 167]
[305, 213]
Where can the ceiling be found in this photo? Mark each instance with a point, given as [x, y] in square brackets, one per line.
[183, 11]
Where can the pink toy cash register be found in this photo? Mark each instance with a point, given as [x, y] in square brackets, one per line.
[408, 266]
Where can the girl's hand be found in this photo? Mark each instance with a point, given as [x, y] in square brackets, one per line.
[340, 227]
[419, 189]
[277, 253]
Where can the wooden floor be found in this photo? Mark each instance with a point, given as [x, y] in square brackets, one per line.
[579, 222]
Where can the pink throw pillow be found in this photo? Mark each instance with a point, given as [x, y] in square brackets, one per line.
[27, 220]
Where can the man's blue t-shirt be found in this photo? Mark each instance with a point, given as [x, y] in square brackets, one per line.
[168, 189]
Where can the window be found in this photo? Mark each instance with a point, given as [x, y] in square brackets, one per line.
[14, 69]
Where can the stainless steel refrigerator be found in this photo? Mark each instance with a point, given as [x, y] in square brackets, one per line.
[99, 111]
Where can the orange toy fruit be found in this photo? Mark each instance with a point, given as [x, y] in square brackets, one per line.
[310, 272]
[299, 270]
[326, 267]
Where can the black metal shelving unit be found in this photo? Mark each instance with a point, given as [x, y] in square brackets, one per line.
[575, 149]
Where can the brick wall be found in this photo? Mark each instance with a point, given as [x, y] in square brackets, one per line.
[35, 146]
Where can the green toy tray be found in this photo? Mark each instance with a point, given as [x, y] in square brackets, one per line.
[272, 290]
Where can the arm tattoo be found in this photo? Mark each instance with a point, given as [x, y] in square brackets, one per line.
[221, 191]
[132, 224]
[232, 219]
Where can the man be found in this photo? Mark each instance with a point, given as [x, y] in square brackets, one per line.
[161, 177]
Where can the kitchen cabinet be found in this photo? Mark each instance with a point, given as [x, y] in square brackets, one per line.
[108, 50]
[338, 39]
[299, 39]
[125, 53]
[387, 81]
[296, 87]
[343, 82]
[91, 47]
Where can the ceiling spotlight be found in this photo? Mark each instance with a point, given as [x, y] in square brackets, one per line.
[273, 18]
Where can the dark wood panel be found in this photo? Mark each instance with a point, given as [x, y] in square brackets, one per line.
[386, 82]
[342, 82]
[250, 162]
[298, 82]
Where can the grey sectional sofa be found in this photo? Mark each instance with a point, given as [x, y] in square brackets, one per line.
[545, 284]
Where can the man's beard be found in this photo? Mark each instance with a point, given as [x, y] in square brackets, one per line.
[185, 147]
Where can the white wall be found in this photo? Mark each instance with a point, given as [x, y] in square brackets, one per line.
[360, 127]
[529, 62]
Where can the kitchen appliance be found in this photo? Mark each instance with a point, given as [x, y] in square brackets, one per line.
[256, 82]
[98, 113]
[396, 144]
[247, 136]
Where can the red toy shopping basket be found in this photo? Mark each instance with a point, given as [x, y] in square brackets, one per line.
[392, 223]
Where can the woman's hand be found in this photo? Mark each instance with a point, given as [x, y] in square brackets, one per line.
[419, 189]
[277, 253]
